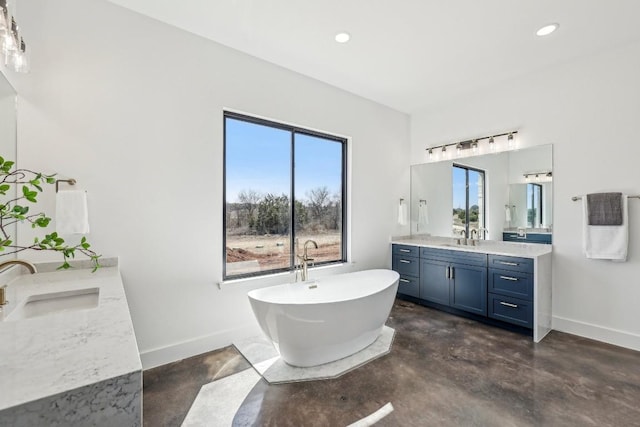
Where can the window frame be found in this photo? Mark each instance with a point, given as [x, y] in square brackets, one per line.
[535, 186]
[484, 198]
[292, 219]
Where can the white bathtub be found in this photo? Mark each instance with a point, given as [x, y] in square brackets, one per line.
[323, 320]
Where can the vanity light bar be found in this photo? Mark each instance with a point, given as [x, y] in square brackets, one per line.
[472, 143]
[547, 174]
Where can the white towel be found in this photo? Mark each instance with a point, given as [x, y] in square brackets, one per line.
[606, 241]
[402, 214]
[72, 215]
[507, 213]
[423, 214]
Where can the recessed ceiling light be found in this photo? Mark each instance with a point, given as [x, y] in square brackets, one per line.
[342, 37]
[547, 29]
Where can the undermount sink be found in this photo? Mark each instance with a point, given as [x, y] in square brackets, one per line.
[56, 302]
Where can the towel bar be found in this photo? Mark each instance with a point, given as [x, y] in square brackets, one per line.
[69, 181]
[574, 198]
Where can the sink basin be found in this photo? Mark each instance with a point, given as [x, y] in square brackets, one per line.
[56, 302]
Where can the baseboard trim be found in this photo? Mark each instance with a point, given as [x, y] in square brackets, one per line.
[596, 332]
[172, 353]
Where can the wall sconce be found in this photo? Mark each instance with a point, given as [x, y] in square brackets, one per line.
[14, 49]
[542, 176]
[474, 145]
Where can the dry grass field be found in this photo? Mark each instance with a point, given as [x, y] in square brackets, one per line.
[247, 254]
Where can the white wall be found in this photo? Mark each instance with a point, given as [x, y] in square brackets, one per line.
[589, 110]
[132, 109]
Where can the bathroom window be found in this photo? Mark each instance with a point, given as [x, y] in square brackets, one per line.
[283, 185]
[534, 205]
[468, 202]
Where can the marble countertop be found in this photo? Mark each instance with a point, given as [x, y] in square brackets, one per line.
[46, 355]
[494, 247]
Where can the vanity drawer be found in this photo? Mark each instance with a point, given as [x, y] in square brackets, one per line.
[512, 310]
[523, 265]
[406, 250]
[462, 257]
[406, 265]
[409, 285]
[511, 283]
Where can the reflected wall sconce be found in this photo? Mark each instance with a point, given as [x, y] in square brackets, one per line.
[541, 176]
[14, 49]
[474, 145]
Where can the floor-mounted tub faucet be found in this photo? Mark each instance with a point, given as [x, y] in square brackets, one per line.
[304, 260]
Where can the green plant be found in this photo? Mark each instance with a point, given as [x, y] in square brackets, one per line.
[28, 184]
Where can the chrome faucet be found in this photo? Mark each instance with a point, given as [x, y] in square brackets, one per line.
[3, 289]
[304, 260]
[474, 231]
[462, 240]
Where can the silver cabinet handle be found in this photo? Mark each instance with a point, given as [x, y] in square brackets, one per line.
[404, 261]
[508, 304]
[447, 273]
[513, 279]
[405, 280]
[405, 250]
[452, 273]
[515, 264]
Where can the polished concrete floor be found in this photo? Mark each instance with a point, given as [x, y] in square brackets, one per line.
[443, 370]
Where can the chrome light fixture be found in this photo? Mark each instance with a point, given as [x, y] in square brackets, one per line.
[14, 49]
[474, 145]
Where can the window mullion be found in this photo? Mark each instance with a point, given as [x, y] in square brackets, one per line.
[292, 204]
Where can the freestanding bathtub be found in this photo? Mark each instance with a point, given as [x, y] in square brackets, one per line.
[319, 321]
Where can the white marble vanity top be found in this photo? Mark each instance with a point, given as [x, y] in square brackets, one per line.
[494, 247]
[46, 355]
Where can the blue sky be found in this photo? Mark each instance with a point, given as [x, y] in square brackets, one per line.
[459, 183]
[259, 157]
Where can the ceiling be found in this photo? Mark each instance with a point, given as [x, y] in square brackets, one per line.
[406, 54]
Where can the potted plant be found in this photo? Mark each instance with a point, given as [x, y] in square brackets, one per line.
[14, 209]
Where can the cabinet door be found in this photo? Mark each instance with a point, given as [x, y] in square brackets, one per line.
[434, 283]
[468, 288]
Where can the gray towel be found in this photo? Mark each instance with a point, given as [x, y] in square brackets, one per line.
[604, 208]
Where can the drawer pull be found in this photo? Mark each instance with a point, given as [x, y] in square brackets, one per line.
[405, 280]
[404, 261]
[405, 250]
[508, 304]
[515, 264]
[513, 279]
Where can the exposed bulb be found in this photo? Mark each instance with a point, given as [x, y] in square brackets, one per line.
[20, 59]
[492, 144]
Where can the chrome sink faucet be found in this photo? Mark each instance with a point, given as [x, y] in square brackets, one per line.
[304, 260]
[3, 290]
[462, 240]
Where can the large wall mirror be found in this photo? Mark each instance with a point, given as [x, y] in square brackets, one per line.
[488, 196]
[8, 128]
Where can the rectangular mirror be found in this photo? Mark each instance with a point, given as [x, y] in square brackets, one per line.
[8, 133]
[501, 196]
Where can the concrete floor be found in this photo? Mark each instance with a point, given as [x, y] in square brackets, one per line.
[442, 370]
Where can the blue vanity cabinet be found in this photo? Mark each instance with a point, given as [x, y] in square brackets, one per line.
[406, 261]
[511, 290]
[468, 288]
[527, 238]
[496, 289]
[434, 281]
[454, 278]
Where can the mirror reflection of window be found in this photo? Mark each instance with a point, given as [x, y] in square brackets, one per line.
[534, 205]
[468, 202]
